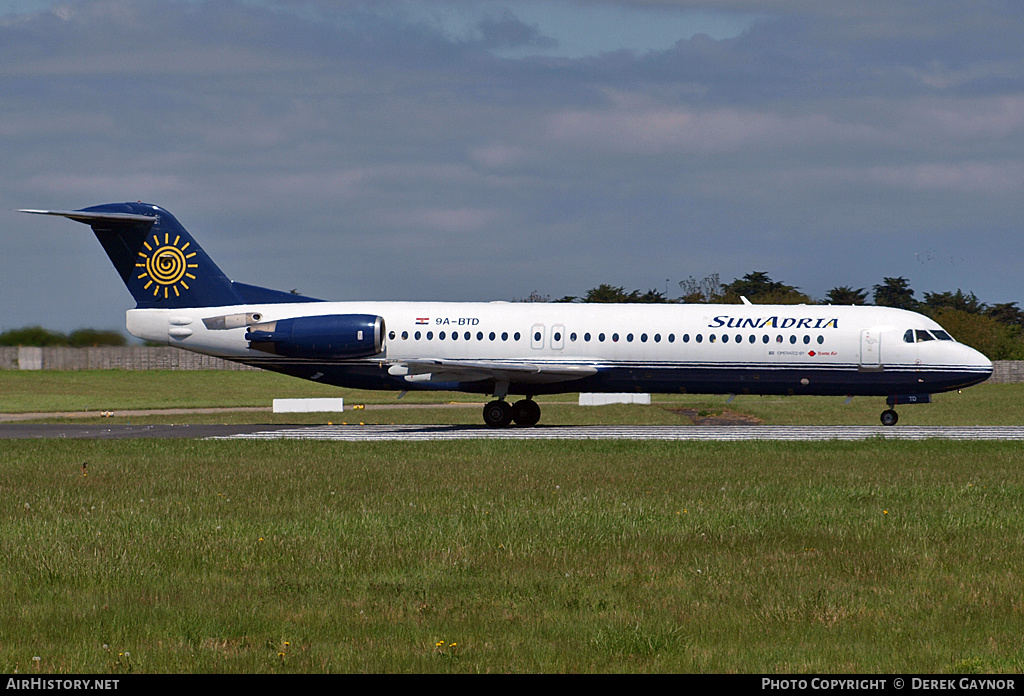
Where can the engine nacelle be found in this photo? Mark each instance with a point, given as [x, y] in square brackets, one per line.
[326, 336]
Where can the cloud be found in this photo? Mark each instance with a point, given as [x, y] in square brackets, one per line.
[649, 129]
[964, 177]
[401, 150]
[83, 186]
[506, 31]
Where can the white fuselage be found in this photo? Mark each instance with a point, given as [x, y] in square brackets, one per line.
[808, 349]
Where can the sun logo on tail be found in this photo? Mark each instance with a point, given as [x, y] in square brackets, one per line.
[166, 266]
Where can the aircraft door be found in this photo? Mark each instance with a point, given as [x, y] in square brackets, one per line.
[537, 336]
[870, 348]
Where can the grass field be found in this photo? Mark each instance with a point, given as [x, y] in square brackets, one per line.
[169, 556]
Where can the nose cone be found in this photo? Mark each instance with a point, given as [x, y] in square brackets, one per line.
[975, 362]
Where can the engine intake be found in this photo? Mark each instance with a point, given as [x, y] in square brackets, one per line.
[326, 336]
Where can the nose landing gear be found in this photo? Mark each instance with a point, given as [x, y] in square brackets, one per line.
[889, 416]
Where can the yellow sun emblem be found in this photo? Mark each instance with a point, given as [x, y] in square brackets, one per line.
[166, 266]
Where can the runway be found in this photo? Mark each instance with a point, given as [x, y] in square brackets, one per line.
[74, 431]
[372, 433]
[416, 433]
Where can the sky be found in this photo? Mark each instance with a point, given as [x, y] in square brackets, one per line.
[477, 151]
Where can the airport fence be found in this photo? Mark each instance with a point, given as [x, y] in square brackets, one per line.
[169, 358]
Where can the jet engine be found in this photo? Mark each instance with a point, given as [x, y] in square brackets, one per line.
[326, 336]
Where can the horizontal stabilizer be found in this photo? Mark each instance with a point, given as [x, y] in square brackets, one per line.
[90, 217]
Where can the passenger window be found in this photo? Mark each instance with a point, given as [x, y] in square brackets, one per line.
[517, 335]
[572, 337]
[792, 339]
[479, 335]
[430, 335]
[725, 338]
[765, 339]
[672, 338]
[807, 339]
[778, 339]
[455, 335]
[699, 338]
[615, 338]
[643, 338]
[657, 338]
[821, 339]
[753, 339]
[417, 335]
[391, 335]
[504, 335]
[586, 337]
[405, 335]
[536, 336]
[629, 338]
[558, 336]
[712, 338]
[491, 336]
[600, 337]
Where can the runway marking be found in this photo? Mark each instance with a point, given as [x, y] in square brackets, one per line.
[370, 433]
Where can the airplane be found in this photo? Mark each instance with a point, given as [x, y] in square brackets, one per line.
[498, 348]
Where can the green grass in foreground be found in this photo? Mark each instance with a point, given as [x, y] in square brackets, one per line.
[491, 556]
[102, 390]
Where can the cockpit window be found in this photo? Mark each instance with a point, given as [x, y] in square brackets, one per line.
[920, 335]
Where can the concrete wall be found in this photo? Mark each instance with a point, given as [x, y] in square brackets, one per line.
[107, 358]
[1007, 372]
[167, 358]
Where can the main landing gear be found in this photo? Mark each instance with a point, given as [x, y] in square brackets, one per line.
[889, 417]
[500, 414]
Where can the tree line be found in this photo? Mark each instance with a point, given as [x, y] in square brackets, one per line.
[997, 330]
[79, 338]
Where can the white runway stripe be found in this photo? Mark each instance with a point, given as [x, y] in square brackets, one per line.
[368, 433]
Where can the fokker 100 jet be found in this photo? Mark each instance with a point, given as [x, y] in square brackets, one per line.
[502, 349]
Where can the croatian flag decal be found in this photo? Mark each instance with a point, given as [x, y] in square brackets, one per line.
[422, 320]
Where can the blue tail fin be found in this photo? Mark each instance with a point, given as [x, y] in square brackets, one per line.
[160, 263]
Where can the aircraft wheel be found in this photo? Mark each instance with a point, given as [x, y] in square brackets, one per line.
[889, 417]
[526, 412]
[498, 414]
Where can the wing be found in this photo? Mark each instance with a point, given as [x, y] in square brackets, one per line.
[506, 371]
